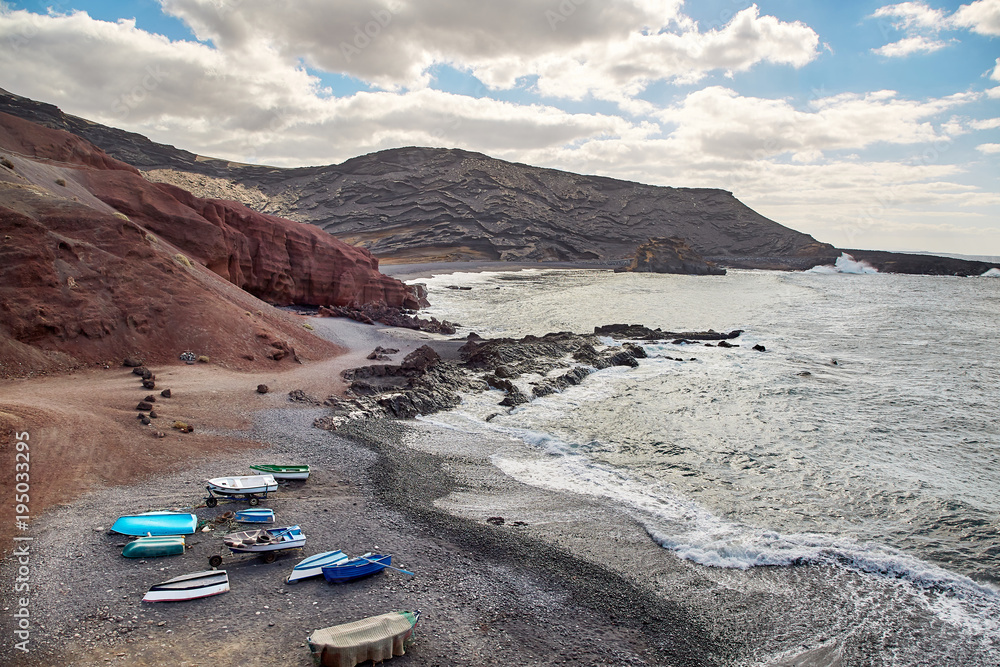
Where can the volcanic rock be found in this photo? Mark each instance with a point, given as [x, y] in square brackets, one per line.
[143, 405]
[165, 393]
[670, 255]
[262, 389]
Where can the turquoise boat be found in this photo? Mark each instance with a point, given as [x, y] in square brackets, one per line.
[255, 515]
[154, 547]
[156, 524]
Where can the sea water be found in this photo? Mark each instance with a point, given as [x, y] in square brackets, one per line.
[864, 439]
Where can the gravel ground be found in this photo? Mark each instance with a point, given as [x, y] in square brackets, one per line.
[489, 594]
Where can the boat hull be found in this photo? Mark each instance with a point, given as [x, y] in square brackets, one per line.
[156, 524]
[154, 547]
[313, 566]
[264, 540]
[255, 516]
[376, 638]
[283, 472]
[241, 486]
[356, 568]
[189, 587]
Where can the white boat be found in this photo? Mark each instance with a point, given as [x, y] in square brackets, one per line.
[237, 486]
[189, 587]
[313, 566]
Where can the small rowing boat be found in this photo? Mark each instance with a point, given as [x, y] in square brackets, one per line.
[154, 547]
[265, 539]
[156, 524]
[189, 587]
[255, 515]
[313, 566]
[356, 568]
[245, 484]
[283, 471]
[376, 638]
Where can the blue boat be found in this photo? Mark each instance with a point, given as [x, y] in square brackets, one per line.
[156, 524]
[154, 547]
[258, 515]
[356, 568]
[313, 566]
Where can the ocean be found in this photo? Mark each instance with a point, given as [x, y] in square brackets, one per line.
[864, 441]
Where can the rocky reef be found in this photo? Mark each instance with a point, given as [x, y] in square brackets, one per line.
[523, 369]
[670, 255]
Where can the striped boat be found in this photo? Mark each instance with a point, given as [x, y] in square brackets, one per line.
[189, 587]
[313, 566]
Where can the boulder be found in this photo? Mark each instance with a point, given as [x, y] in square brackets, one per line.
[165, 393]
[262, 389]
[143, 405]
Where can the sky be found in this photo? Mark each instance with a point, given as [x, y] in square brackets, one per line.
[865, 124]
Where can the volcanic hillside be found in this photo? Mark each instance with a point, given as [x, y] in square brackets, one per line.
[97, 263]
[432, 204]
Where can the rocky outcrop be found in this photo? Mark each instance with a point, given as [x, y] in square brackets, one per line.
[277, 260]
[670, 255]
[394, 317]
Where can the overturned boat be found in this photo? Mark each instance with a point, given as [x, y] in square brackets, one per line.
[156, 524]
[189, 587]
[154, 547]
[376, 638]
[356, 568]
[283, 471]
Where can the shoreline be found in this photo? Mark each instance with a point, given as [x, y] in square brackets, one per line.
[409, 272]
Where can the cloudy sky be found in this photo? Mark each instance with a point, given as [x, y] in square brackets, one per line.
[862, 123]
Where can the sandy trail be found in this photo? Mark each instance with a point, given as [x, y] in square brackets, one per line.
[84, 434]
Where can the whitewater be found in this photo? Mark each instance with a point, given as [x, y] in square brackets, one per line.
[862, 442]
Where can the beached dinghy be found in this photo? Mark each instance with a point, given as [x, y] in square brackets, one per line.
[189, 587]
[263, 541]
[313, 566]
[283, 472]
[376, 638]
[356, 568]
[246, 486]
[155, 524]
[255, 515]
[154, 547]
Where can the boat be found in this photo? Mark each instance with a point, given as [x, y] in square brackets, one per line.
[265, 541]
[189, 587]
[247, 486]
[255, 515]
[154, 547]
[313, 566]
[283, 472]
[375, 638]
[356, 568]
[155, 524]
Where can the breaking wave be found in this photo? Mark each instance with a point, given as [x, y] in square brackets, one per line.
[845, 264]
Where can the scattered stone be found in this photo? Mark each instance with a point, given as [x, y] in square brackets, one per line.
[147, 374]
[148, 384]
[394, 317]
[143, 405]
[132, 362]
[139, 416]
[726, 343]
[382, 353]
[145, 420]
[165, 393]
[150, 399]
[300, 396]
[496, 521]
[152, 414]
[804, 373]
[262, 389]
[139, 370]
[760, 348]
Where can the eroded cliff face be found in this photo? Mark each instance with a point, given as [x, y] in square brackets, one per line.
[671, 255]
[277, 260]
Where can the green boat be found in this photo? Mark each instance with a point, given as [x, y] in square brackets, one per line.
[152, 547]
[283, 472]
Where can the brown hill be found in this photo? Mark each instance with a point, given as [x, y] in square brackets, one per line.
[97, 263]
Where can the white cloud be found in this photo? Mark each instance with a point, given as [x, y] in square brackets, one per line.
[988, 124]
[981, 16]
[910, 45]
[911, 15]
[996, 71]
[574, 48]
[988, 149]
[718, 121]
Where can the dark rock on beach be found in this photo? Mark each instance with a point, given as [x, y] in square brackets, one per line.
[670, 255]
[641, 332]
